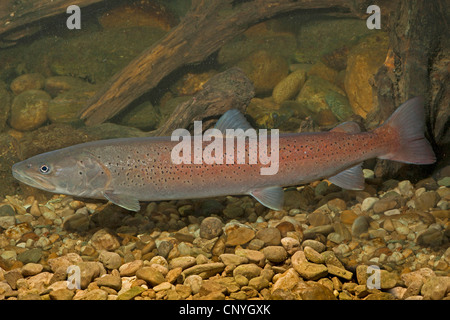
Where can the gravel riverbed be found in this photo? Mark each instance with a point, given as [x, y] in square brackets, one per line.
[389, 241]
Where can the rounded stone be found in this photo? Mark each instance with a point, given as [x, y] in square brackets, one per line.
[195, 282]
[29, 81]
[103, 240]
[151, 275]
[275, 254]
[247, 270]
[31, 269]
[111, 260]
[360, 226]
[316, 245]
[211, 227]
[289, 86]
[29, 110]
[239, 236]
[271, 236]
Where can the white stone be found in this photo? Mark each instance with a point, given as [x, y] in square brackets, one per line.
[368, 203]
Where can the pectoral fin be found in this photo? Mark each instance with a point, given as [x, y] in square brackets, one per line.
[271, 197]
[351, 179]
[122, 200]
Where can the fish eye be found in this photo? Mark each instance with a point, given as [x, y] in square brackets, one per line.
[44, 169]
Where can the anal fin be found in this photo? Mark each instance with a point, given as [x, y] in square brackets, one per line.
[271, 197]
[351, 179]
[122, 200]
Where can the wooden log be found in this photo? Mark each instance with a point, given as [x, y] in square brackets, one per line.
[417, 66]
[17, 14]
[230, 89]
[206, 27]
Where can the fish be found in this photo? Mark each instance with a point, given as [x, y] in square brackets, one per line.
[126, 171]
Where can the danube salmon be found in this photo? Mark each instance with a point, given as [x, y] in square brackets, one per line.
[126, 171]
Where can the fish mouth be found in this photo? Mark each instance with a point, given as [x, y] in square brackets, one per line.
[31, 180]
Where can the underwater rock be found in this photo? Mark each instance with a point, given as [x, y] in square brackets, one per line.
[144, 116]
[363, 62]
[5, 105]
[29, 110]
[336, 59]
[289, 87]
[321, 70]
[319, 95]
[239, 236]
[211, 227]
[65, 106]
[59, 84]
[28, 81]
[249, 271]
[104, 240]
[270, 236]
[261, 112]
[360, 225]
[427, 200]
[307, 270]
[265, 70]
[275, 254]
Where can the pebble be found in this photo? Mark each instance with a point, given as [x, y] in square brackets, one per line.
[29, 110]
[31, 269]
[131, 293]
[249, 271]
[151, 275]
[129, 269]
[239, 236]
[194, 282]
[276, 254]
[368, 203]
[308, 270]
[28, 81]
[360, 226]
[270, 236]
[104, 240]
[291, 245]
[211, 227]
[232, 259]
[427, 200]
[313, 256]
[182, 262]
[110, 280]
[316, 245]
[111, 260]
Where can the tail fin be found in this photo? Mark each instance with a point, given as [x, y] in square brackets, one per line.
[409, 122]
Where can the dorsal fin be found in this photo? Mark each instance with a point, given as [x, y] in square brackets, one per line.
[232, 119]
[347, 127]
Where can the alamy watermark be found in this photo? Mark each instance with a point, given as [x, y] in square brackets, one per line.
[73, 277]
[374, 278]
[235, 146]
